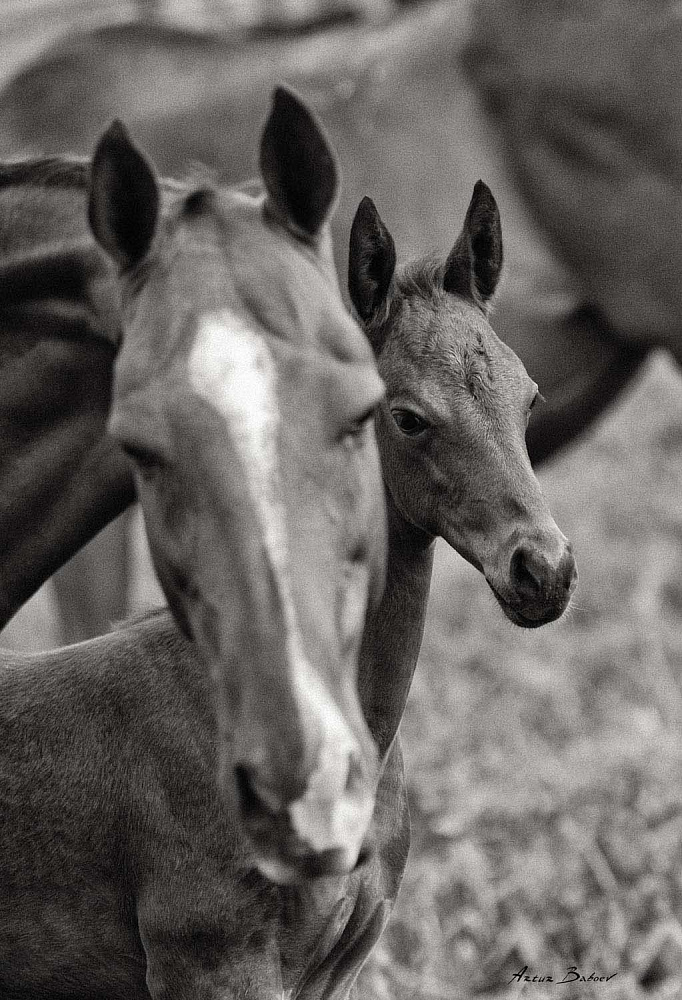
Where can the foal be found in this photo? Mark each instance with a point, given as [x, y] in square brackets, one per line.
[243, 395]
[451, 434]
[126, 874]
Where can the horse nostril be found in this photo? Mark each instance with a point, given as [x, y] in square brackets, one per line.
[255, 800]
[355, 774]
[524, 576]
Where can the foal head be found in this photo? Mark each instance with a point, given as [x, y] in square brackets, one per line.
[452, 425]
[243, 395]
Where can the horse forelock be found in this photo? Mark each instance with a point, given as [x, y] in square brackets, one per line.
[433, 325]
[422, 277]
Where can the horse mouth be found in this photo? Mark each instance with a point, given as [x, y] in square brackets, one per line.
[279, 853]
[522, 619]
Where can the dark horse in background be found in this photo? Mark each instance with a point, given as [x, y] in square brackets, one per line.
[416, 108]
[587, 100]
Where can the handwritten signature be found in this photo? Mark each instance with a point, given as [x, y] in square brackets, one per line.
[572, 975]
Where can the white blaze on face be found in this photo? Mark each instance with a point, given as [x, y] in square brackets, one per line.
[231, 367]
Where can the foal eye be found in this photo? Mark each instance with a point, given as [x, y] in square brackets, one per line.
[410, 423]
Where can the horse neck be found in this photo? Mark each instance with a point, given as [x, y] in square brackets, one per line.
[394, 629]
[62, 478]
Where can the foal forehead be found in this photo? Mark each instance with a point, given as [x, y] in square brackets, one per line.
[446, 331]
[446, 342]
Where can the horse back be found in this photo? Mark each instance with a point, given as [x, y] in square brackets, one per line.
[89, 775]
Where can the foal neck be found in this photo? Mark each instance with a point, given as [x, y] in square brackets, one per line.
[394, 629]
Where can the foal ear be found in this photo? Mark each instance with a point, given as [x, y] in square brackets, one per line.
[475, 262]
[371, 260]
[298, 166]
[124, 199]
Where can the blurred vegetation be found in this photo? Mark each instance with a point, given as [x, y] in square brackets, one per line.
[544, 767]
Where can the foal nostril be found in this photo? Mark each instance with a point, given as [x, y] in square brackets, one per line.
[570, 571]
[525, 577]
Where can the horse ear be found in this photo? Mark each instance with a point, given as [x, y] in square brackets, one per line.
[371, 261]
[298, 166]
[124, 199]
[475, 262]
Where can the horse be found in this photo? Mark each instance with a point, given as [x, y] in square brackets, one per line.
[409, 123]
[405, 112]
[242, 396]
[138, 881]
[587, 99]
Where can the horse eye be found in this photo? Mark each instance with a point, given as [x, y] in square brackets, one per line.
[148, 463]
[360, 424]
[411, 424]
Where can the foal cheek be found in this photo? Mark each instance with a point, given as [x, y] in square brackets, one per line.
[422, 490]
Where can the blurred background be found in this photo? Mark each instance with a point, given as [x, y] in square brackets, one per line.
[544, 767]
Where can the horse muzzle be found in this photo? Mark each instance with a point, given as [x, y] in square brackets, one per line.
[539, 585]
[314, 836]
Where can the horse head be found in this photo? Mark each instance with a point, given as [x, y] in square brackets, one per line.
[456, 408]
[243, 396]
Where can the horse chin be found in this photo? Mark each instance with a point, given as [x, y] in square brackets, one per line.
[278, 871]
[522, 618]
[278, 852]
[283, 872]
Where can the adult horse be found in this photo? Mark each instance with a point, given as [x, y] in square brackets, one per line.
[587, 97]
[180, 911]
[243, 397]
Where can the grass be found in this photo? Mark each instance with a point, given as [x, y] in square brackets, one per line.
[545, 768]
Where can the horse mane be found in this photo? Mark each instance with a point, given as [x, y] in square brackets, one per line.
[74, 172]
[46, 172]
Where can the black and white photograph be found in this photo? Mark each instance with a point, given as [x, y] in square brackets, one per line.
[340, 500]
